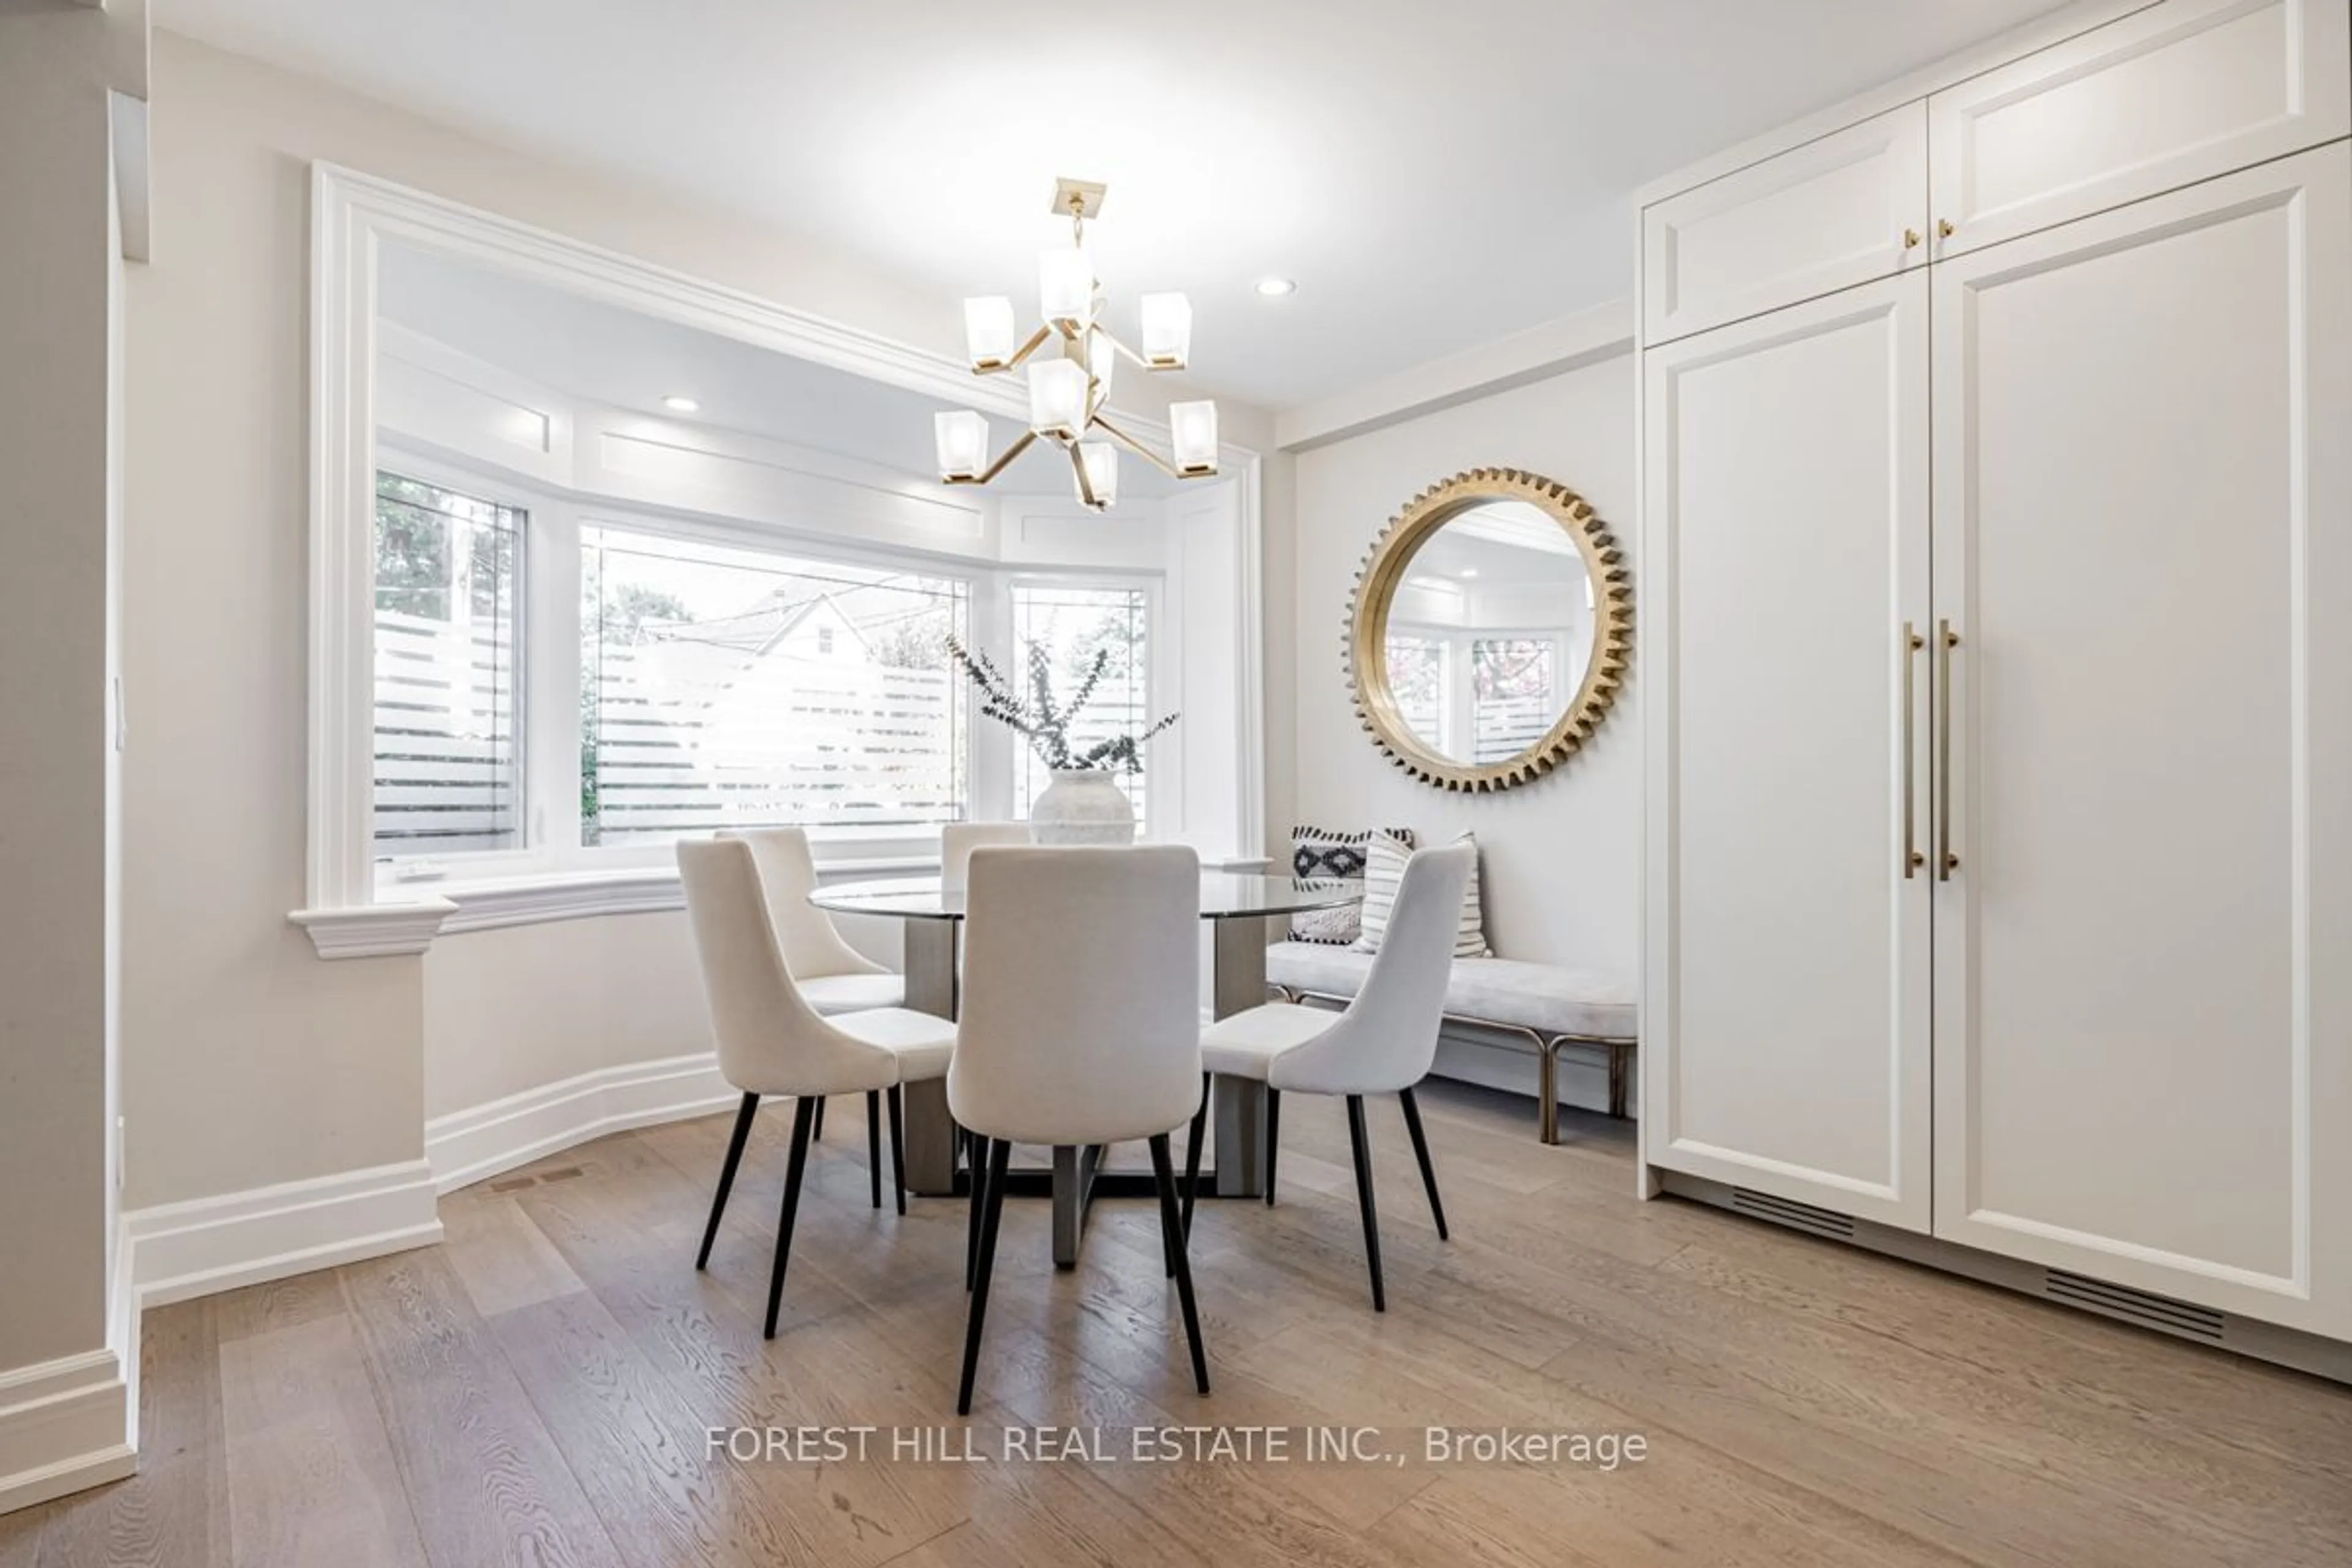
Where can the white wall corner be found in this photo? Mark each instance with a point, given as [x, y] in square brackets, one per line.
[209, 1245]
[376, 930]
[131, 196]
[65, 1425]
[481, 1142]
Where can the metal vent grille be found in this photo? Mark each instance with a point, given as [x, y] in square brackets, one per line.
[2140, 1307]
[1793, 1213]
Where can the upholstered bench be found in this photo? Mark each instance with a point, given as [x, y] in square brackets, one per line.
[1546, 1004]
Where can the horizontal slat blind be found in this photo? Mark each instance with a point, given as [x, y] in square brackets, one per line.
[730, 688]
[448, 777]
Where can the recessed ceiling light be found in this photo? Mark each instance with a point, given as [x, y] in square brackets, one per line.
[679, 403]
[1469, 572]
[1276, 287]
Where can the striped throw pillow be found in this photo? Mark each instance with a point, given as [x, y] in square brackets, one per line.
[1384, 859]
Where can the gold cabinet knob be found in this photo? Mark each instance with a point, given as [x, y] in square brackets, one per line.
[1910, 239]
[1944, 229]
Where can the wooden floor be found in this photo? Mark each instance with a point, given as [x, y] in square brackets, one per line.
[538, 1391]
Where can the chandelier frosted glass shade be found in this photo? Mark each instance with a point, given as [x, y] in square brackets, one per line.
[1066, 284]
[1057, 398]
[962, 438]
[1167, 330]
[1069, 384]
[1098, 463]
[1192, 430]
[989, 332]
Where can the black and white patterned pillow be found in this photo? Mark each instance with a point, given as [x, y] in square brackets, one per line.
[1320, 854]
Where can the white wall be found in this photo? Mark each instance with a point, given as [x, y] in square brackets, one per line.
[248, 1060]
[65, 1404]
[1561, 857]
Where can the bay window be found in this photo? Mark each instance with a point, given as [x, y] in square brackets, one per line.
[565, 687]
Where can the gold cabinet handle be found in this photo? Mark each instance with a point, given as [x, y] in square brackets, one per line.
[1946, 862]
[1910, 239]
[1944, 229]
[1912, 859]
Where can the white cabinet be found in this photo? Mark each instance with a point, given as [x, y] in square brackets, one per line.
[1845, 209]
[2164, 96]
[2105, 1024]
[1786, 1006]
[2143, 536]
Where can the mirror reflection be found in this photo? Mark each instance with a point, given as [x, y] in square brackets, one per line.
[1490, 632]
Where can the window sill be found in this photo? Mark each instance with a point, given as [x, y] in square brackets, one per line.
[407, 921]
[376, 930]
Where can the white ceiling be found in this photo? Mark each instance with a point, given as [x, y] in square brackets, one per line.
[602, 354]
[1434, 173]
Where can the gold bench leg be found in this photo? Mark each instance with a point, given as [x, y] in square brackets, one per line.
[1547, 1091]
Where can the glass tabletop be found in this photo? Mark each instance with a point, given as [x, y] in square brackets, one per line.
[1225, 895]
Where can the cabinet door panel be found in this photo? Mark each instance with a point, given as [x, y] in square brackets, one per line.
[2144, 537]
[2177, 93]
[1785, 983]
[1823, 216]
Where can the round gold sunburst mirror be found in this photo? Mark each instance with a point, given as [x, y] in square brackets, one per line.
[1489, 630]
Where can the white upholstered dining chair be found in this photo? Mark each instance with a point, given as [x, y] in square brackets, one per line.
[1383, 1044]
[770, 1041]
[959, 839]
[1081, 1026]
[832, 976]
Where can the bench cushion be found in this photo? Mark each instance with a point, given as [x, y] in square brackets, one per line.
[1548, 999]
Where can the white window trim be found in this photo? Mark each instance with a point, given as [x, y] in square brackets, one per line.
[351, 213]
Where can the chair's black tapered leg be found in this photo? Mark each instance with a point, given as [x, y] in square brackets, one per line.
[1171, 1225]
[1273, 1139]
[803, 1128]
[874, 1142]
[727, 1176]
[1421, 1153]
[817, 1129]
[898, 1147]
[1363, 1147]
[1192, 1155]
[976, 1149]
[999, 1154]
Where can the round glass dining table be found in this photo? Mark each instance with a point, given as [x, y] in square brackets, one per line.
[1237, 905]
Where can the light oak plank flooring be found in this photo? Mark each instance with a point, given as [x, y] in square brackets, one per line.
[539, 1390]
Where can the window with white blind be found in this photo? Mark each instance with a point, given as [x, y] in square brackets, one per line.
[564, 689]
[1514, 700]
[1076, 623]
[726, 687]
[449, 764]
[1420, 679]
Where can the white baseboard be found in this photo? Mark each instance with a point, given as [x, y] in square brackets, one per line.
[206, 1244]
[470, 1145]
[64, 1425]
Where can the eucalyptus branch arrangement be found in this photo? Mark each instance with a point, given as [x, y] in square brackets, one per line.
[1043, 722]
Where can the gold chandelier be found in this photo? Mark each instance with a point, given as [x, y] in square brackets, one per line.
[1068, 389]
